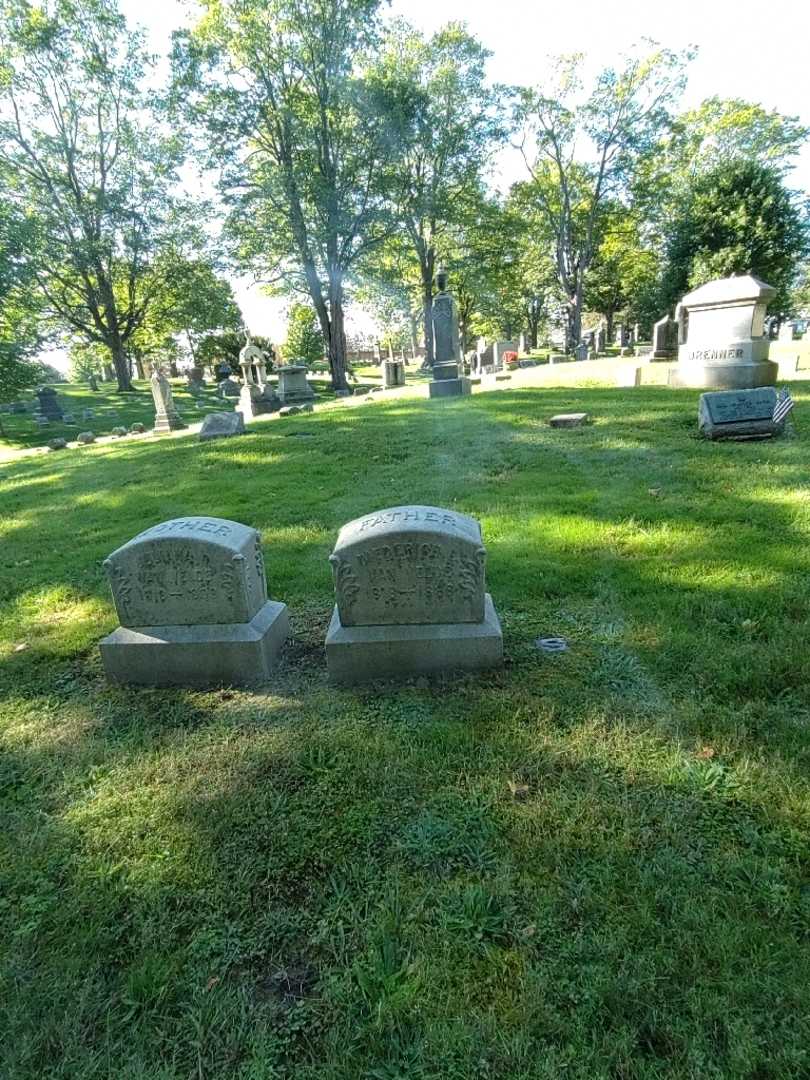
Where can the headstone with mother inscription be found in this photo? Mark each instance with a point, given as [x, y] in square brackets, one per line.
[411, 597]
[191, 598]
[739, 414]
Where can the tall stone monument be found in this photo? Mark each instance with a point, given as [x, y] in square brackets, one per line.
[191, 598]
[49, 405]
[257, 396]
[723, 345]
[446, 381]
[411, 597]
[166, 416]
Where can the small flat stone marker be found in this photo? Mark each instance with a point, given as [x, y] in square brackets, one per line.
[573, 419]
[411, 599]
[191, 598]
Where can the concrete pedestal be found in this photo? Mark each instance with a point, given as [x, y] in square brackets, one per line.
[358, 654]
[723, 376]
[256, 401]
[450, 387]
[231, 654]
[168, 422]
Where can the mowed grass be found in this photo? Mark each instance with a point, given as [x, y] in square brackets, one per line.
[594, 864]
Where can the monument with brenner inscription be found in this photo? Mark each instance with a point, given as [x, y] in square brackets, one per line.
[722, 339]
[191, 598]
[411, 597]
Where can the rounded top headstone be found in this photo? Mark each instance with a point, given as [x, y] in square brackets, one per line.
[188, 571]
[409, 565]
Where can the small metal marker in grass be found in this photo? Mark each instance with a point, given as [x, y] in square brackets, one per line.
[551, 644]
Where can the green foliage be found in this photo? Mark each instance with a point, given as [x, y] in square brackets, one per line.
[304, 338]
[625, 273]
[620, 120]
[737, 218]
[84, 155]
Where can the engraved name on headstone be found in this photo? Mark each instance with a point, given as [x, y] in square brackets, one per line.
[188, 571]
[409, 565]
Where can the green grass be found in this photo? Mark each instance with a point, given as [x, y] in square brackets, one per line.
[588, 865]
[113, 409]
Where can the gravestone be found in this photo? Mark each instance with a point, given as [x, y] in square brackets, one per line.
[601, 339]
[739, 414]
[787, 331]
[256, 395]
[411, 597]
[581, 351]
[665, 339]
[228, 388]
[221, 425]
[57, 444]
[195, 378]
[446, 381]
[137, 428]
[393, 373]
[191, 599]
[119, 431]
[85, 438]
[566, 420]
[292, 384]
[49, 403]
[166, 416]
[620, 335]
[521, 349]
[498, 349]
[722, 334]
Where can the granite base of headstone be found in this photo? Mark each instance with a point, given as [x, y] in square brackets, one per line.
[191, 598]
[292, 384]
[739, 414]
[221, 425]
[256, 400]
[411, 597]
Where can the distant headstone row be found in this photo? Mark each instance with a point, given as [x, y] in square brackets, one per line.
[191, 598]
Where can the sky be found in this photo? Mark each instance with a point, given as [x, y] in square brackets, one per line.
[744, 50]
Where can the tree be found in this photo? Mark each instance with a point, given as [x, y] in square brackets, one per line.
[194, 302]
[19, 322]
[737, 218]
[304, 339]
[83, 151]
[624, 275]
[623, 116]
[444, 126]
[278, 85]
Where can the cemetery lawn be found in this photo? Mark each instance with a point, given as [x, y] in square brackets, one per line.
[594, 864]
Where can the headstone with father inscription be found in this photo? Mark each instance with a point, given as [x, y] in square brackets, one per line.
[739, 414]
[411, 597]
[191, 598]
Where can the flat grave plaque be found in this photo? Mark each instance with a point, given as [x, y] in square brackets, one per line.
[734, 406]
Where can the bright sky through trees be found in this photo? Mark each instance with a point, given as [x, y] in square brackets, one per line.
[741, 53]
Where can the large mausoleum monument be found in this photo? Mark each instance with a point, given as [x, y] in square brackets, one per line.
[411, 597]
[722, 340]
[446, 381]
[191, 598]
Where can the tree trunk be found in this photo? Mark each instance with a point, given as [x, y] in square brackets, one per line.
[120, 364]
[427, 318]
[337, 332]
[414, 341]
[608, 327]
